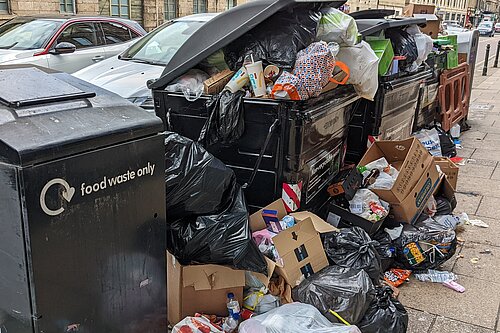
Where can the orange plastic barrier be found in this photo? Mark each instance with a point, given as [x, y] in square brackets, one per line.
[454, 95]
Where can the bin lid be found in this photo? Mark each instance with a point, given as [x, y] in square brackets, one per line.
[221, 31]
[372, 13]
[371, 26]
[45, 115]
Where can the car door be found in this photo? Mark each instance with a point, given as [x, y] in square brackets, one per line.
[89, 47]
[117, 37]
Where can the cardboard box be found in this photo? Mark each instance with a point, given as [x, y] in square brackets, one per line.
[343, 218]
[411, 207]
[408, 156]
[449, 168]
[216, 83]
[444, 189]
[300, 247]
[200, 288]
[424, 11]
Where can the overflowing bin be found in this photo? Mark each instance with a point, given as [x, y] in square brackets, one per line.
[289, 149]
[390, 116]
[83, 208]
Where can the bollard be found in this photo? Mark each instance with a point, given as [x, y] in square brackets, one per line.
[496, 56]
[485, 67]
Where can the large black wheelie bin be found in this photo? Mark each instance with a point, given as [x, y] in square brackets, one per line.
[390, 115]
[82, 216]
[294, 144]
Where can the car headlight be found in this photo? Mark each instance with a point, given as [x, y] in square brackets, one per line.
[145, 102]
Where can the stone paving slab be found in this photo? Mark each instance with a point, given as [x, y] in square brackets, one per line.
[478, 305]
[467, 203]
[445, 325]
[485, 269]
[419, 321]
[479, 186]
[489, 206]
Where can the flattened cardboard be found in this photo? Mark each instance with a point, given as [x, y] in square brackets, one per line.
[306, 232]
[408, 156]
[449, 168]
[410, 208]
[200, 288]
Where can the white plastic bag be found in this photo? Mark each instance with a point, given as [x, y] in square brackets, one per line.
[423, 41]
[293, 318]
[386, 178]
[430, 140]
[367, 204]
[190, 84]
[363, 66]
[336, 26]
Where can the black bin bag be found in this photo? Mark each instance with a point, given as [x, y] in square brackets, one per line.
[385, 314]
[225, 123]
[277, 40]
[196, 182]
[404, 45]
[353, 248]
[221, 239]
[346, 291]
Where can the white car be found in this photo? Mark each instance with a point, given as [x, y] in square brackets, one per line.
[65, 44]
[127, 74]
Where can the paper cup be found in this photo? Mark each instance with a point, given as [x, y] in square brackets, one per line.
[238, 81]
[256, 74]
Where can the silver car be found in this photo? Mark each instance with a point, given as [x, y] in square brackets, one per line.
[127, 74]
[65, 43]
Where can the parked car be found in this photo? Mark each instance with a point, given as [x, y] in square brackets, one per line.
[486, 28]
[497, 27]
[65, 43]
[453, 26]
[127, 74]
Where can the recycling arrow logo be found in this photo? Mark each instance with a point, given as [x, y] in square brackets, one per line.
[67, 194]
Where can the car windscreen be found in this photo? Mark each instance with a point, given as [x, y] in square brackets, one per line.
[27, 34]
[485, 25]
[160, 45]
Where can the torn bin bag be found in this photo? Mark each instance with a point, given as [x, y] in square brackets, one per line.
[221, 239]
[196, 182]
[427, 246]
[225, 123]
[353, 248]
[385, 314]
[346, 291]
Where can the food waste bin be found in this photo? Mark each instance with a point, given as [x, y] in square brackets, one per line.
[289, 149]
[82, 235]
[391, 114]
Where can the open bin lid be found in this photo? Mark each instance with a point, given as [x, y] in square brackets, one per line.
[46, 115]
[221, 31]
[370, 26]
[372, 14]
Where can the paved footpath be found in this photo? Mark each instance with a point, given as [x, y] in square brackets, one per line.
[432, 307]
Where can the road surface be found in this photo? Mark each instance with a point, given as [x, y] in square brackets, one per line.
[481, 50]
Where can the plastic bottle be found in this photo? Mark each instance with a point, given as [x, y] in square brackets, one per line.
[455, 131]
[231, 323]
[232, 304]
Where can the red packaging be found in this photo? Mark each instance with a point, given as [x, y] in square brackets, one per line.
[396, 277]
[246, 314]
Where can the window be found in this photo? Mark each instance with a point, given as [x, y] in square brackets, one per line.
[120, 8]
[82, 35]
[170, 9]
[199, 6]
[4, 5]
[115, 33]
[231, 3]
[67, 6]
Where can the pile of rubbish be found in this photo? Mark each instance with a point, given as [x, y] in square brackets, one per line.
[275, 270]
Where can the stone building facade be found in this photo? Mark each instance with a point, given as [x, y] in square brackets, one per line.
[149, 13]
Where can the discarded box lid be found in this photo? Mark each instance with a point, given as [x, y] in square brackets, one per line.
[221, 31]
[45, 115]
[211, 277]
